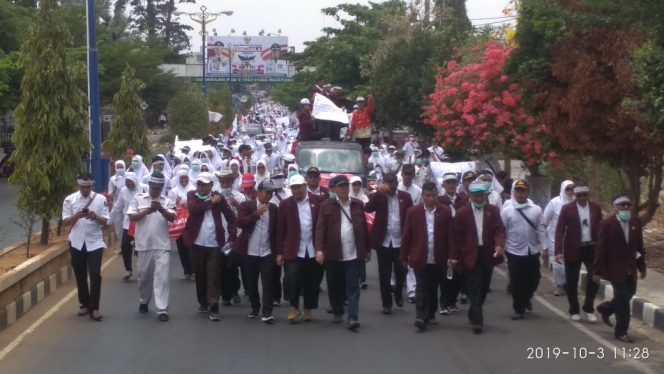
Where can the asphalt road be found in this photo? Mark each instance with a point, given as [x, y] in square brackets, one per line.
[57, 341]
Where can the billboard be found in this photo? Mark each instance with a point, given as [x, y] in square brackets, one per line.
[247, 57]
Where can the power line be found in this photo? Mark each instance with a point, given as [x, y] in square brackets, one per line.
[493, 23]
[488, 18]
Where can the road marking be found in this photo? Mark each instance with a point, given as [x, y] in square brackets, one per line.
[54, 309]
[591, 334]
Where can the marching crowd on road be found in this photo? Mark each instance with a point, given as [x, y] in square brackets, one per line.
[239, 210]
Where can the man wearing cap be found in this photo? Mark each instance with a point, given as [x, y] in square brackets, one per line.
[306, 122]
[152, 212]
[296, 228]
[342, 243]
[450, 197]
[576, 235]
[407, 185]
[479, 239]
[258, 221]
[185, 149]
[550, 221]
[245, 160]
[87, 214]
[425, 244]
[272, 160]
[398, 162]
[360, 125]
[620, 254]
[313, 183]
[466, 179]
[204, 235]
[525, 237]
[248, 186]
[390, 206]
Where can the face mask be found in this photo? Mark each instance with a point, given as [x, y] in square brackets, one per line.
[478, 205]
[333, 196]
[425, 162]
[135, 164]
[519, 206]
[374, 154]
[291, 173]
[487, 186]
[120, 172]
[418, 162]
[195, 167]
[203, 197]
[624, 215]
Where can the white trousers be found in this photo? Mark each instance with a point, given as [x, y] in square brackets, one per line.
[153, 272]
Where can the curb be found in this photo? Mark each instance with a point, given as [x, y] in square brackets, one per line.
[646, 311]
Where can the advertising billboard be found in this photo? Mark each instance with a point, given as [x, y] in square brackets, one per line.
[247, 57]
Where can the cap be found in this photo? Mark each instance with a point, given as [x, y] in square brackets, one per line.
[266, 185]
[157, 160]
[267, 146]
[486, 172]
[360, 98]
[449, 177]
[288, 157]
[521, 184]
[224, 173]
[296, 179]
[313, 170]
[476, 186]
[391, 147]
[355, 179]
[339, 180]
[204, 177]
[277, 175]
[185, 148]
[469, 175]
[248, 180]
[408, 169]
[581, 189]
[305, 101]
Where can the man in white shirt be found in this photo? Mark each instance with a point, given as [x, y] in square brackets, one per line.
[152, 212]
[87, 214]
[272, 160]
[525, 237]
[407, 185]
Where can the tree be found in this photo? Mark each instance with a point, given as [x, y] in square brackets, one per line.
[51, 118]
[188, 114]
[219, 100]
[154, 20]
[128, 129]
[13, 19]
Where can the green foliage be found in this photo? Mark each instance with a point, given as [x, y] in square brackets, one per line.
[154, 20]
[291, 93]
[51, 118]
[128, 130]
[25, 219]
[649, 77]
[219, 100]
[188, 114]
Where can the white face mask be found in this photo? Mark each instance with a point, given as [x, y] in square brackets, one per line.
[120, 172]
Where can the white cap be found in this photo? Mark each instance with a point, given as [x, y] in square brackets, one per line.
[288, 157]
[354, 179]
[581, 189]
[305, 101]
[296, 180]
[204, 177]
[360, 98]
[449, 177]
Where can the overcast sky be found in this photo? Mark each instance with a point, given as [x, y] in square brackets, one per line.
[300, 20]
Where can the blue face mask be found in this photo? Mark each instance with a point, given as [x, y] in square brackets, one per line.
[487, 186]
[203, 197]
[624, 215]
[478, 205]
[195, 167]
[291, 173]
[333, 196]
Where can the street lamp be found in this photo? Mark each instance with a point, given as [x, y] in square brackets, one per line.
[203, 17]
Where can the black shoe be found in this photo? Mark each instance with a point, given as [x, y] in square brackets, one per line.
[625, 338]
[477, 329]
[142, 308]
[215, 317]
[605, 317]
[463, 299]
[163, 317]
[203, 309]
[411, 300]
[529, 306]
[420, 324]
[364, 285]
[387, 311]
[338, 318]
[353, 325]
[399, 301]
[237, 299]
[268, 319]
[517, 316]
[330, 311]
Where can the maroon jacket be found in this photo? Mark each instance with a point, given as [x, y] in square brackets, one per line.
[466, 246]
[615, 259]
[460, 202]
[324, 193]
[568, 230]
[246, 220]
[414, 237]
[307, 131]
[288, 225]
[378, 203]
[197, 210]
[328, 229]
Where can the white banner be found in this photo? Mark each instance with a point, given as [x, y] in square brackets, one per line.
[324, 109]
[234, 125]
[214, 117]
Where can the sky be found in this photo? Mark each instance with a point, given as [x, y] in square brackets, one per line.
[300, 20]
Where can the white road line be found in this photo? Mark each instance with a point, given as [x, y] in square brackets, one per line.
[54, 309]
[591, 334]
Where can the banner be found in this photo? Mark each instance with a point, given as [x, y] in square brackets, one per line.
[214, 117]
[324, 109]
[247, 56]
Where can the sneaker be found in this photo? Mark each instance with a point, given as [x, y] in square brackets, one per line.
[252, 315]
[477, 329]
[203, 309]
[188, 277]
[306, 315]
[353, 325]
[83, 311]
[292, 315]
[215, 317]
[237, 299]
[127, 276]
[411, 300]
[576, 317]
[364, 285]
[432, 321]
[268, 319]
[453, 309]
[517, 316]
[96, 316]
[592, 318]
[338, 318]
[558, 292]
[387, 311]
[142, 308]
[420, 324]
[276, 303]
[444, 311]
[625, 338]
[163, 317]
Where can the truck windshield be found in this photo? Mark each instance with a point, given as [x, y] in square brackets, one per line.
[331, 160]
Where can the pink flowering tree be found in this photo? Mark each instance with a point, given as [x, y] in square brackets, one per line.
[476, 109]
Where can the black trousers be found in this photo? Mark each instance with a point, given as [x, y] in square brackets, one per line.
[206, 267]
[364, 142]
[572, 270]
[449, 289]
[302, 278]
[343, 282]
[478, 281]
[87, 263]
[426, 291]
[264, 267]
[524, 277]
[622, 294]
[276, 284]
[229, 277]
[126, 248]
[185, 257]
[388, 260]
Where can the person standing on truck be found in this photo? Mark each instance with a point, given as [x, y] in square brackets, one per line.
[360, 125]
[307, 129]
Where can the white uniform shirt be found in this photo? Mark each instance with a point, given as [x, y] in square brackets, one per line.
[306, 229]
[348, 248]
[521, 239]
[430, 216]
[393, 234]
[259, 241]
[122, 204]
[207, 236]
[283, 194]
[152, 230]
[414, 190]
[479, 223]
[86, 231]
[584, 218]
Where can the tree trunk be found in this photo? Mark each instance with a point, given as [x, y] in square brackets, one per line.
[655, 177]
[45, 232]
[427, 11]
[634, 172]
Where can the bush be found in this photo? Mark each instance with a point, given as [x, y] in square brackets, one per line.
[188, 114]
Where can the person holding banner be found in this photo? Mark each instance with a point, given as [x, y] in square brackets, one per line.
[307, 130]
[361, 123]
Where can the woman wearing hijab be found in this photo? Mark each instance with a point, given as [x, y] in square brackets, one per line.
[179, 194]
[261, 172]
[115, 184]
[235, 169]
[550, 221]
[195, 168]
[139, 168]
[356, 191]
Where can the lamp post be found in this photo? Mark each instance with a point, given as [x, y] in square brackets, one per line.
[204, 17]
[96, 164]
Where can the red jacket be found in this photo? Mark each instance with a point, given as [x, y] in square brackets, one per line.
[246, 220]
[466, 246]
[615, 259]
[288, 225]
[328, 229]
[197, 209]
[568, 230]
[414, 237]
[378, 203]
[362, 117]
[461, 200]
[307, 131]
